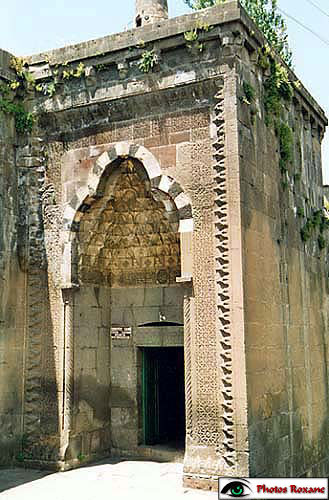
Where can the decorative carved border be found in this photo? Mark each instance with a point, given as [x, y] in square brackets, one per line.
[223, 279]
[66, 124]
[33, 260]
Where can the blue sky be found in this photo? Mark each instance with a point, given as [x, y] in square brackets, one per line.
[35, 26]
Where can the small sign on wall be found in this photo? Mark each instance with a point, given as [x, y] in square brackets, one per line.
[120, 332]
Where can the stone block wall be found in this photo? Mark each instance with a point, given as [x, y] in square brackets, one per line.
[90, 425]
[12, 291]
[285, 283]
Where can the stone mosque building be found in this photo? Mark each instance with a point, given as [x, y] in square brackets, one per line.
[164, 253]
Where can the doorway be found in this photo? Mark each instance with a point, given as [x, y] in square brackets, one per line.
[163, 396]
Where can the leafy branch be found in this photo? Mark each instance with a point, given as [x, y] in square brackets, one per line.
[192, 37]
[10, 105]
[265, 14]
[148, 60]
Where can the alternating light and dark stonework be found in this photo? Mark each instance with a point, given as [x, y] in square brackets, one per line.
[145, 197]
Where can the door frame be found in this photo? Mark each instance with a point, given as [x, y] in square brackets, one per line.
[149, 394]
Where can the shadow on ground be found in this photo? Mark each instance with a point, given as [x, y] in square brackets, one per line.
[10, 478]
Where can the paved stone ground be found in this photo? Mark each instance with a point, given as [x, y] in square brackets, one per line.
[113, 480]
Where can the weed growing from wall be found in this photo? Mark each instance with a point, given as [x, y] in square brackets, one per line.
[148, 60]
[13, 94]
[315, 227]
[248, 98]
[277, 89]
[249, 93]
[77, 72]
[192, 37]
[9, 105]
[46, 88]
[286, 142]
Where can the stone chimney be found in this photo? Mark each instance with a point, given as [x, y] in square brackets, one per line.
[150, 11]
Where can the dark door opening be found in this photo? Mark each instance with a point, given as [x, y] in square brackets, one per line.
[163, 396]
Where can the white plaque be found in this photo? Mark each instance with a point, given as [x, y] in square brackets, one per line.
[120, 332]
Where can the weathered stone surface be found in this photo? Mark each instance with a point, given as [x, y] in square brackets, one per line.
[140, 197]
[284, 295]
[12, 292]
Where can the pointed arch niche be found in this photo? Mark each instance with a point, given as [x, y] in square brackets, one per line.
[127, 218]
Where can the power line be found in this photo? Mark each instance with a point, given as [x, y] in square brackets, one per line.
[317, 7]
[324, 40]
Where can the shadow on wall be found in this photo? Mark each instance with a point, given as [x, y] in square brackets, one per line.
[90, 435]
[11, 347]
[40, 440]
[96, 395]
[10, 441]
[276, 450]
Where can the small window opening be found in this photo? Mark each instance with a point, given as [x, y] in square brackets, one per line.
[138, 21]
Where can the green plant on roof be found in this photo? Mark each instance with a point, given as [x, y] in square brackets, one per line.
[266, 16]
[77, 72]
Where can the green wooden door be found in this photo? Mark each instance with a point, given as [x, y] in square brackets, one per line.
[150, 397]
[163, 402]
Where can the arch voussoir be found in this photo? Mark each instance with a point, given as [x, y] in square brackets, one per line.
[159, 182]
[165, 183]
